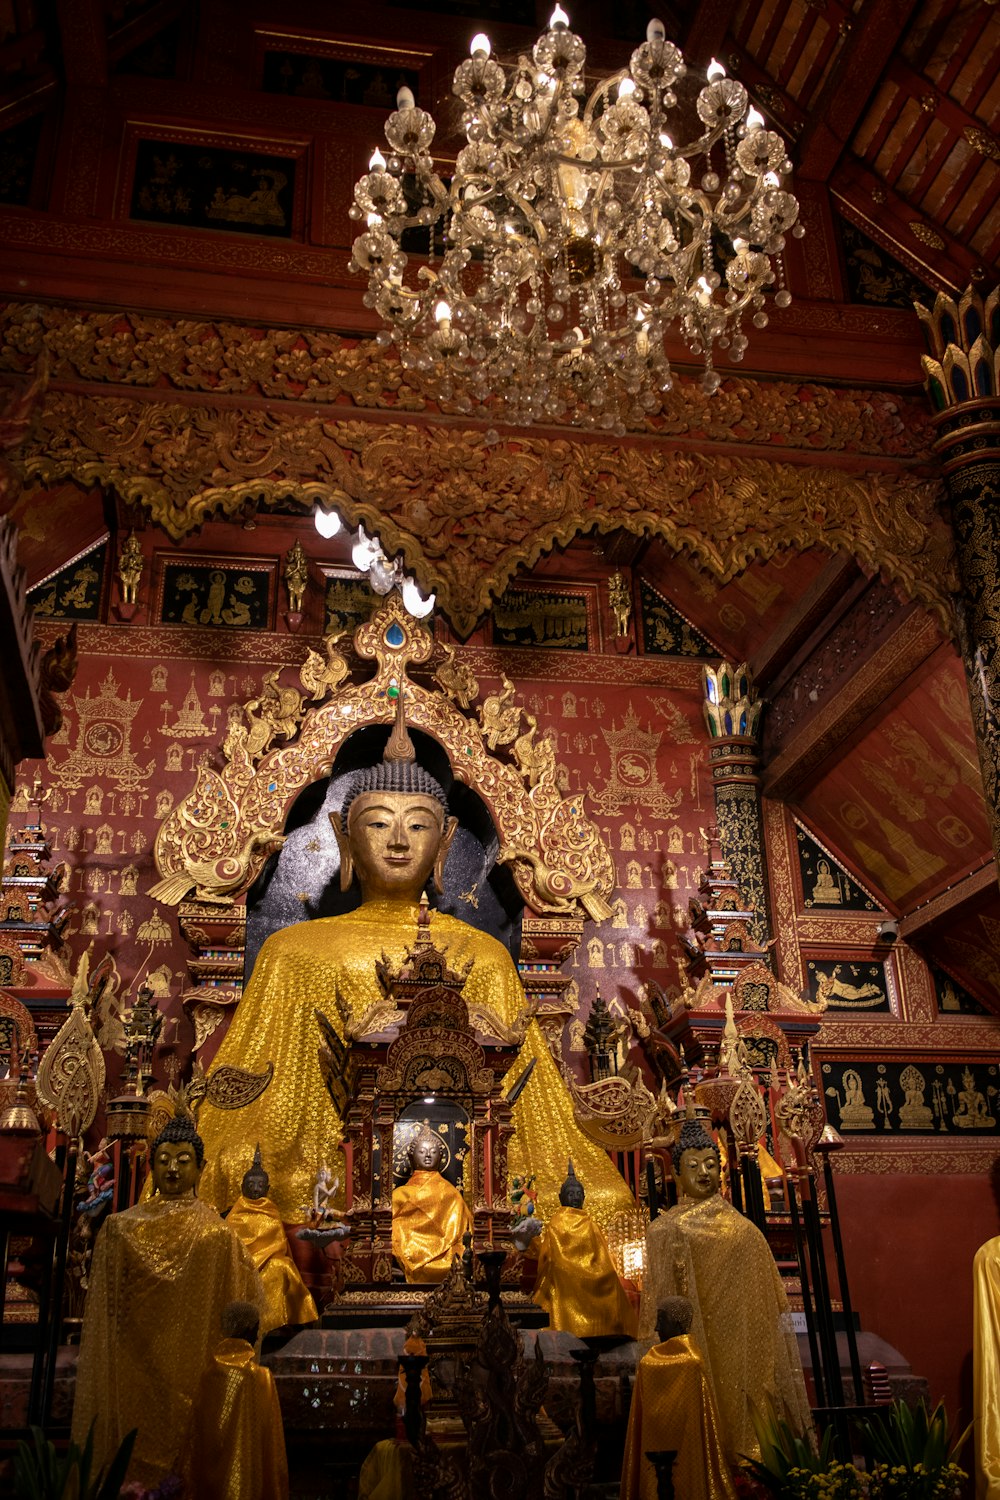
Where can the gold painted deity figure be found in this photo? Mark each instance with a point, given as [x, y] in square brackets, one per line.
[705, 1249]
[429, 1214]
[296, 576]
[130, 569]
[577, 1283]
[394, 833]
[258, 1224]
[161, 1274]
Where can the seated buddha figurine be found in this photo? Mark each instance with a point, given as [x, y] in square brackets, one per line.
[705, 1249]
[236, 1447]
[429, 1215]
[673, 1410]
[577, 1283]
[394, 833]
[161, 1275]
[258, 1224]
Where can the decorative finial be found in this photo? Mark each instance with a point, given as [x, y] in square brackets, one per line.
[400, 746]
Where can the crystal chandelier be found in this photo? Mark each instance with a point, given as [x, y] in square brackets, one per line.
[574, 232]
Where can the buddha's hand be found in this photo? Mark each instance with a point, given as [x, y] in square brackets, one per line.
[523, 1231]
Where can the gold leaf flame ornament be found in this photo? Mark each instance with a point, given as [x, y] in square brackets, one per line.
[71, 1074]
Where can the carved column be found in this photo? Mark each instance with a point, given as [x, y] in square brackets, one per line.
[962, 383]
[732, 716]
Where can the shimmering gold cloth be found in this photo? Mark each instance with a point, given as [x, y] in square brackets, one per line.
[577, 1283]
[387, 1472]
[706, 1250]
[237, 1442]
[986, 1368]
[429, 1217]
[673, 1408]
[162, 1273]
[287, 1299]
[300, 969]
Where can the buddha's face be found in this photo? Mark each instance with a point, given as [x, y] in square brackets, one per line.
[394, 839]
[175, 1169]
[426, 1154]
[698, 1173]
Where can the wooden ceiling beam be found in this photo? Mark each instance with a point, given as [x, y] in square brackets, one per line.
[84, 42]
[706, 36]
[885, 216]
[949, 901]
[834, 115]
[812, 618]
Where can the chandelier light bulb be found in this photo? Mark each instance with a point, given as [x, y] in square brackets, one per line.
[655, 32]
[558, 18]
[327, 522]
[442, 314]
[714, 70]
[413, 600]
[404, 98]
[665, 141]
[480, 45]
[755, 120]
[626, 88]
[376, 162]
[364, 551]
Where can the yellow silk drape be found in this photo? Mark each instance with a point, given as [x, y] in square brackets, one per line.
[161, 1275]
[672, 1408]
[986, 1368]
[577, 1283]
[287, 1299]
[429, 1218]
[301, 969]
[706, 1250]
[237, 1445]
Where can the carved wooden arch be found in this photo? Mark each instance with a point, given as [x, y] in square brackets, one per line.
[216, 840]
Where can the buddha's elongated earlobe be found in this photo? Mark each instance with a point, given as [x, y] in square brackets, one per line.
[343, 844]
[450, 829]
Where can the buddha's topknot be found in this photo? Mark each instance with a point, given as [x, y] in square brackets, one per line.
[396, 772]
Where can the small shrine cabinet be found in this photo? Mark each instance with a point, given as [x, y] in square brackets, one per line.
[417, 1057]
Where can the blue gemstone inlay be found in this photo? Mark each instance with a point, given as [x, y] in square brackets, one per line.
[394, 635]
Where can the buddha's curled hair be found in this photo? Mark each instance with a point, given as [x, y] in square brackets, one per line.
[180, 1128]
[693, 1137]
[396, 772]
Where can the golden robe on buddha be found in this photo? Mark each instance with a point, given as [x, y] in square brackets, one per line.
[429, 1218]
[986, 1368]
[237, 1442]
[707, 1251]
[673, 1409]
[287, 1299]
[161, 1275]
[300, 969]
[577, 1283]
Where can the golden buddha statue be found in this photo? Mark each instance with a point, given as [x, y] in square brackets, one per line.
[429, 1215]
[161, 1274]
[258, 1224]
[236, 1448]
[394, 833]
[577, 1283]
[673, 1410]
[986, 1368]
[705, 1249]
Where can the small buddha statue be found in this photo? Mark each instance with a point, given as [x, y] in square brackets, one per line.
[705, 1249]
[161, 1274]
[394, 833]
[236, 1448]
[429, 1215]
[258, 1224]
[673, 1410]
[577, 1283]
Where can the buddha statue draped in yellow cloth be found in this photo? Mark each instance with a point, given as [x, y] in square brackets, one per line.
[429, 1215]
[257, 1221]
[705, 1249]
[393, 833]
[673, 1410]
[577, 1283]
[161, 1275]
[236, 1447]
[986, 1368]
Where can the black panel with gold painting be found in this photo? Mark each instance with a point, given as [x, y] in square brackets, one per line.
[665, 631]
[849, 984]
[342, 80]
[203, 186]
[825, 883]
[217, 595]
[911, 1096]
[76, 591]
[953, 998]
[544, 617]
[348, 604]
